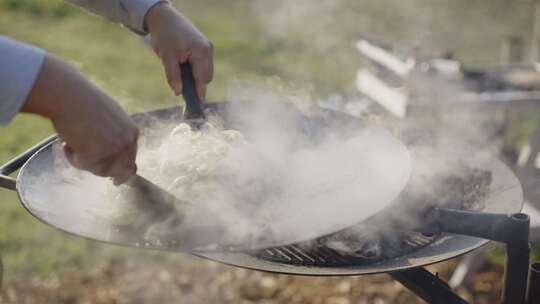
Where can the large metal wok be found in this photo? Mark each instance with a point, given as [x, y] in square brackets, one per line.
[38, 180]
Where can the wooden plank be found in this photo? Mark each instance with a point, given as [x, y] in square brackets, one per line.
[384, 58]
[389, 98]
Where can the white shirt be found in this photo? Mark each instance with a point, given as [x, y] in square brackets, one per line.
[20, 63]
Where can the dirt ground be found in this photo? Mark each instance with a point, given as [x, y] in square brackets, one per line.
[194, 280]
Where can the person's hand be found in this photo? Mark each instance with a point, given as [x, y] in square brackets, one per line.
[99, 136]
[176, 40]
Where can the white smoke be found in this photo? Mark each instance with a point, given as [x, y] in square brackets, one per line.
[288, 184]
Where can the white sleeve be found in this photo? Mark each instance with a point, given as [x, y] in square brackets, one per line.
[19, 67]
[130, 13]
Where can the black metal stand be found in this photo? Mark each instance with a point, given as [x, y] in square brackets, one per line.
[533, 295]
[512, 230]
[427, 286]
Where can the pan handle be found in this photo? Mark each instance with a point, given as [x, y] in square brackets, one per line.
[193, 107]
[16, 163]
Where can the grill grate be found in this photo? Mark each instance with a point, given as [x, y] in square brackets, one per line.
[318, 255]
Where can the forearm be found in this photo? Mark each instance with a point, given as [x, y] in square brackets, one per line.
[98, 135]
[61, 90]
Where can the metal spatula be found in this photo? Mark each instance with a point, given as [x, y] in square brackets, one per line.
[157, 203]
[156, 198]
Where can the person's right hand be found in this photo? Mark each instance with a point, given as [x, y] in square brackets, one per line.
[176, 40]
[99, 136]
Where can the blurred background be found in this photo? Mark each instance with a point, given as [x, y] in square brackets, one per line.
[305, 47]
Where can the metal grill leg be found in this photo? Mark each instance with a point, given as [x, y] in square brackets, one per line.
[534, 285]
[510, 229]
[427, 286]
[515, 278]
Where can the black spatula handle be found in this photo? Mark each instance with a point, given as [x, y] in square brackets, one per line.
[189, 91]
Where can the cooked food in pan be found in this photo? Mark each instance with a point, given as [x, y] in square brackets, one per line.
[185, 163]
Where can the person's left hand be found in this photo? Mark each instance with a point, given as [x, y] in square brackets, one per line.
[176, 40]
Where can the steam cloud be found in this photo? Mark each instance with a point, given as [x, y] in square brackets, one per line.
[288, 180]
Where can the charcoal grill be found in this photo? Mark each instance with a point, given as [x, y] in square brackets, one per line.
[448, 233]
[445, 233]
